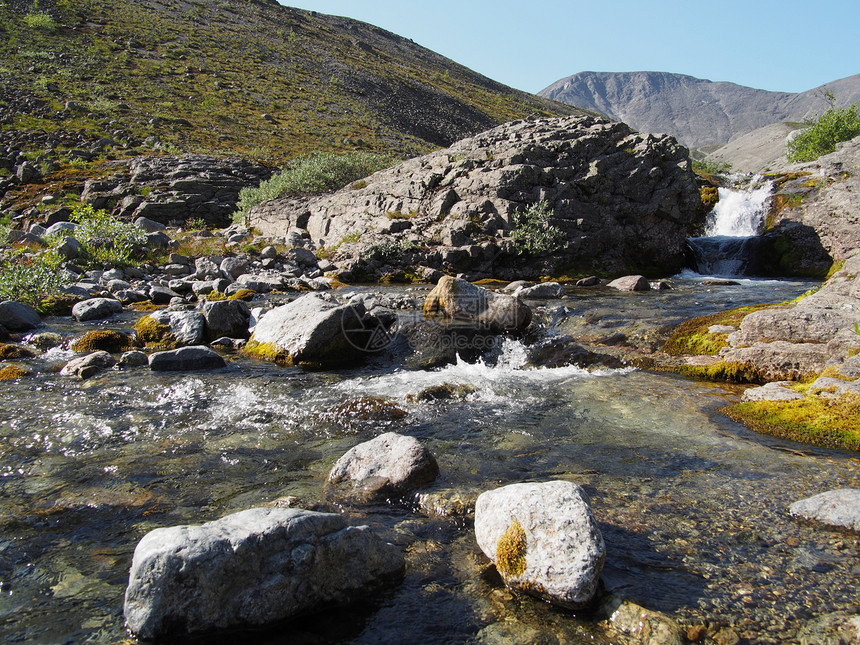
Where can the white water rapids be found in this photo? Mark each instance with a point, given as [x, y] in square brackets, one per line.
[740, 212]
[729, 245]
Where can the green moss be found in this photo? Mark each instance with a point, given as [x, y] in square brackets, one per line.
[511, 551]
[102, 339]
[58, 305]
[155, 334]
[692, 336]
[13, 372]
[268, 352]
[731, 372]
[14, 352]
[832, 422]
[243, 294]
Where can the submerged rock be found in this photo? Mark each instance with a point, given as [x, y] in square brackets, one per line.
[461, 300]
[186, 359]
[543, 540]
[252, 568]
[631, 283]
[391, 465]
[87, 366]
[840, 507]
[545, 290]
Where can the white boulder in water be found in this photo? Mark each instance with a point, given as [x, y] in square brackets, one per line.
[543, 540]
[252, 568]
[840, 507]
[389, 465]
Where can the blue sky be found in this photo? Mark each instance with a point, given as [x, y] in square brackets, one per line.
[783, 45]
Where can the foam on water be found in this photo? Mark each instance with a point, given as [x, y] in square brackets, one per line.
[493, 380]
[740, 212]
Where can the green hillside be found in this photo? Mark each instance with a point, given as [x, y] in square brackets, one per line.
[247, 77]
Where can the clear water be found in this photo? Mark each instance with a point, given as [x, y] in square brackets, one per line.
[693, 506]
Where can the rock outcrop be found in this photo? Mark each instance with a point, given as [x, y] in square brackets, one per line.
[251, 568]
[623, 202]
[816, 213]
[543, 540]
[801, 339]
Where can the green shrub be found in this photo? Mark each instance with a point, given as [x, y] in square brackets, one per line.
[534, 235]
[822, 135]
[106, 240]
[29, 280]
[314, 174]
[711, 166]
[40, 21]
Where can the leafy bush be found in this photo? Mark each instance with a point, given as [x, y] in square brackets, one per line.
[392, 251]
[106, 240]
[40, 20]
[821, 136]
[534, 235]
[29, 280]
[312, 175]
[711, 166]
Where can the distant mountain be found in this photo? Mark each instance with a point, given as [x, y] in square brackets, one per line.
[700, 113]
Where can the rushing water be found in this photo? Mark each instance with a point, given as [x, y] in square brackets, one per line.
[731, 229]
[693, 506]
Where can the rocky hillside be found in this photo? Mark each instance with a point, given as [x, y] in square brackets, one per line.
[576, 195]
[83, 82]
[700, 113]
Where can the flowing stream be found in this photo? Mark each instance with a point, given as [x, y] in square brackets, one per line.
[693, 506]
[729, 242]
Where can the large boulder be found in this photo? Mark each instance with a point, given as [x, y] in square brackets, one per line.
[96, 309]
[252, 568]
[226, 318]
[624, 203]
[313, 330]
[391, 465]
[461, 300]
[16, 316]
[171, 328]
[543, 540]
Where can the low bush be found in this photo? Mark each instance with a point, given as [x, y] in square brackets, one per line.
[29, 280]
[822, 135]
[534, 235]
[106, 240]
[314, 174]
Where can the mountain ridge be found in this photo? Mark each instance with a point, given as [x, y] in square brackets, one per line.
[701, 113]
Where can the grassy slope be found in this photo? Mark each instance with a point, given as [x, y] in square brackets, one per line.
[326, 83]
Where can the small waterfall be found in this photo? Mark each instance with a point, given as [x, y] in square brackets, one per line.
[731, 232]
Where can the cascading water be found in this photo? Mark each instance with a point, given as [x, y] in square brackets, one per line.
[728, 246]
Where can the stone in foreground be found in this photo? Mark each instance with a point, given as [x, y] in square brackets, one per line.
[631, 283]
[390, 465]
[543, 540]
[839, 507]
[16, 316]
[461, 300]
[252, 568]
[312, 330]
